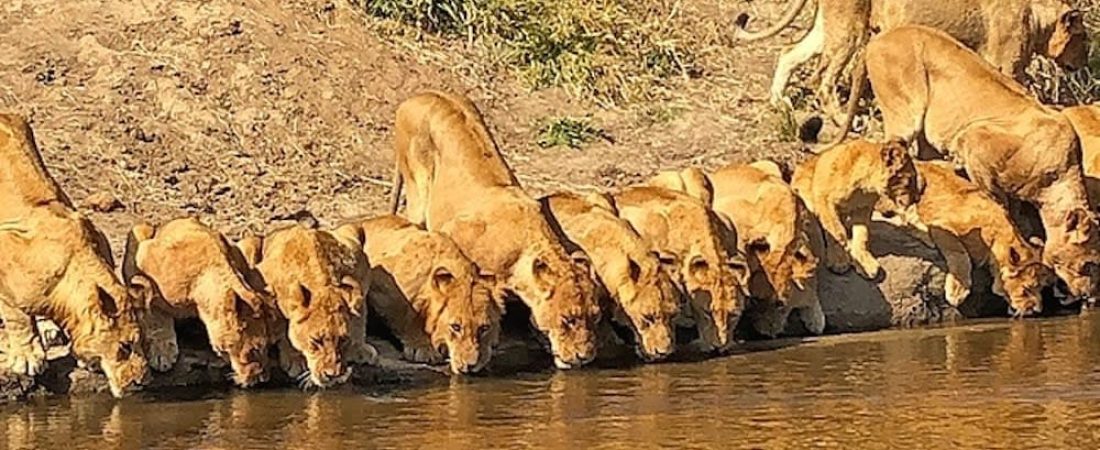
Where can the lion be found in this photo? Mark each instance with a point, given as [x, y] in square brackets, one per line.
[1007, 33]
[436, 301]
[842, 186]
[55, 263]
[970, 229]
[319, 280]
[932, 90]
[460, 185]
[773, 230]
[193, 275]
[693, 245]
[638, 291]
[1085, 120]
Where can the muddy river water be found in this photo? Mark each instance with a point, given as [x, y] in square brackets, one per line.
[1002, 384]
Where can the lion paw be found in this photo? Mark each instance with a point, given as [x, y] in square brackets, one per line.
[868, 267]
[837, 262]
[422, 354]
[955, 291]
[30, 361]
[362, 353]
[163, 354]
[813, 318]
[293, 364]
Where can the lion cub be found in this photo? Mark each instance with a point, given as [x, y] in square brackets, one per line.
[638, 292]
[460, 185]
[187, 269]
[319, 281]
[691, 245]
[433, 298]
[55, 263]
[773, 230]
[970, 229]
[842, 186]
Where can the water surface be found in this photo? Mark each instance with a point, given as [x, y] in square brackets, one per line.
[1003, 384]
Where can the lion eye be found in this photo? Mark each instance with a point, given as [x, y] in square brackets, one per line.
[568, 322]
[648, 320]
[125, 349]
[316, 343]
[483, 330]
[456, 328]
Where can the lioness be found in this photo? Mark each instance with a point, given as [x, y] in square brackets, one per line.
[637, 291]
[773, 226]
[193, 275]
[460, 185]
[433, 298]
[319, 281]
[1007, 33]
[55, 263]
[690, 244]
[932, 88]
[970, 229]
[842, 185]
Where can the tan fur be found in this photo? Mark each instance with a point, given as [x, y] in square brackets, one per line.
[970, 229]
[1086, 122]
[773, 227]
[319, 280]
[929, 86]
[193, 275]
[1007, 33]
[842, 185]
[55, 263]
[640, 293]
[694, 248]
[459, 184]
[433, 298]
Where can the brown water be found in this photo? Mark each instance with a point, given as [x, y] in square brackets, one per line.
[1022, 384]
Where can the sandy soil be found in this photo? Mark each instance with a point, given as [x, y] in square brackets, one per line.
[247, 112]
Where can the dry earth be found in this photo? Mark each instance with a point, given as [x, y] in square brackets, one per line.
[248, 112]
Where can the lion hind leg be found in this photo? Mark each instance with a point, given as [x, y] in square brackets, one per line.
[810, 46]
[24, 350]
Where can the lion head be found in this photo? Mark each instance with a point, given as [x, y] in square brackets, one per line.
[782, 269]
[242, 338]
[563, 304]
[464, 318]
[318, 282]
[902, 184]
[1071, 250]
[650, 302]
[715, 299]
[1022, 281]
[111, 336]
[1069, 41]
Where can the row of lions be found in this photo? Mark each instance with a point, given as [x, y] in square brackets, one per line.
[688, 248]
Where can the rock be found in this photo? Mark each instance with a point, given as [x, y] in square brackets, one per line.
[103, 202]
[909, 293]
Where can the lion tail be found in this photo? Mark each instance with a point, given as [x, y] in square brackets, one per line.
[743, 35]
[859, 84]
[398, 184]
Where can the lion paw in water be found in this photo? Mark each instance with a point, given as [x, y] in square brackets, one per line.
[163, 354]
[362, 353]
[423, 354]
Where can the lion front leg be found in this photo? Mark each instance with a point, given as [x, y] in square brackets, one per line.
[417, 347]
[358, 350]
[813, 317]
[866, 263]
[291, 360]
[162, 349]
[25, 353]
[956, 287]
[836, 254]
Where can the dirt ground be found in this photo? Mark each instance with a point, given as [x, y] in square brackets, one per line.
[245, 113]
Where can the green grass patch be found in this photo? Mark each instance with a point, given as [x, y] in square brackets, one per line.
[570, 132]
[610, 50]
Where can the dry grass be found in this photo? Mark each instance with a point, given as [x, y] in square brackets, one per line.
[615, 51]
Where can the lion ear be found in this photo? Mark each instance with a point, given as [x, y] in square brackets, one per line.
[894, 154]
[1014, 257]
[142, 289]
[107, 303]
[354, 296]
[251, 248]
[1072, 19]
[759, 246]
[741, 272]
[442, 279]
[633, 270]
